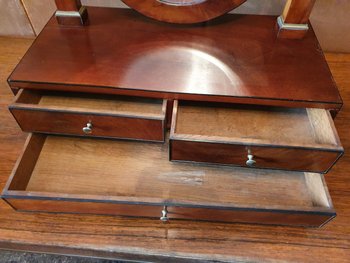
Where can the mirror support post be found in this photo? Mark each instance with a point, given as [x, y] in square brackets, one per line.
[71, 13]
[294, 22]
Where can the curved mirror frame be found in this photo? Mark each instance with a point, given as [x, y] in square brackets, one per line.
[183, 11]
[182, 2]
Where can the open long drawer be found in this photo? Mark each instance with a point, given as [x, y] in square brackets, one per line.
[85, 175]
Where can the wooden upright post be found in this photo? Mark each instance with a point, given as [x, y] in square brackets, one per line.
[294, 22]
[71, 12]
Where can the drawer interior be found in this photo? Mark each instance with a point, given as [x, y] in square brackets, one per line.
[57, 166]
[255, 124]
[85, 102]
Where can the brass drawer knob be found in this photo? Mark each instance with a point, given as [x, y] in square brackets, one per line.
[88, 128]
[164, 217]
[250, 162]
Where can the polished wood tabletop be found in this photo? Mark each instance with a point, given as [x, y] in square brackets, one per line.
[178, 241]
[235, 58]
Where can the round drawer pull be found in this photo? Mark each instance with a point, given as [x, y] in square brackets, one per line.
[250, 162]
[88, 128]
[164, 217]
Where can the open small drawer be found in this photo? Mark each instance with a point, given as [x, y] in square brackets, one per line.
[254, 136]
[94, 176]
[90, 115]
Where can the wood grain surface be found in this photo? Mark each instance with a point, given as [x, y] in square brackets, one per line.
[68, 5]
[147, 239]
[110, 116]
[298, 11]
[89, 176]
[278, 138]
[141, 172]
[265, 156]
[235, 58]
[269, 125]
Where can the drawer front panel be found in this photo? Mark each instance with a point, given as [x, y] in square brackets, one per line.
[85, 207]
[294, 218]
[309, 160]
[103, 126]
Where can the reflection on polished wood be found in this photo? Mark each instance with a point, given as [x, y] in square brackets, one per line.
[235, 58]
[150, 240]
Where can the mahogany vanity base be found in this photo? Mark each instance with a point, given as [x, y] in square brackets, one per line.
[142, 239]
[234, 58]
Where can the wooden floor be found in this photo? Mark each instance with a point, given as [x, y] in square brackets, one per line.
[145, 239]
